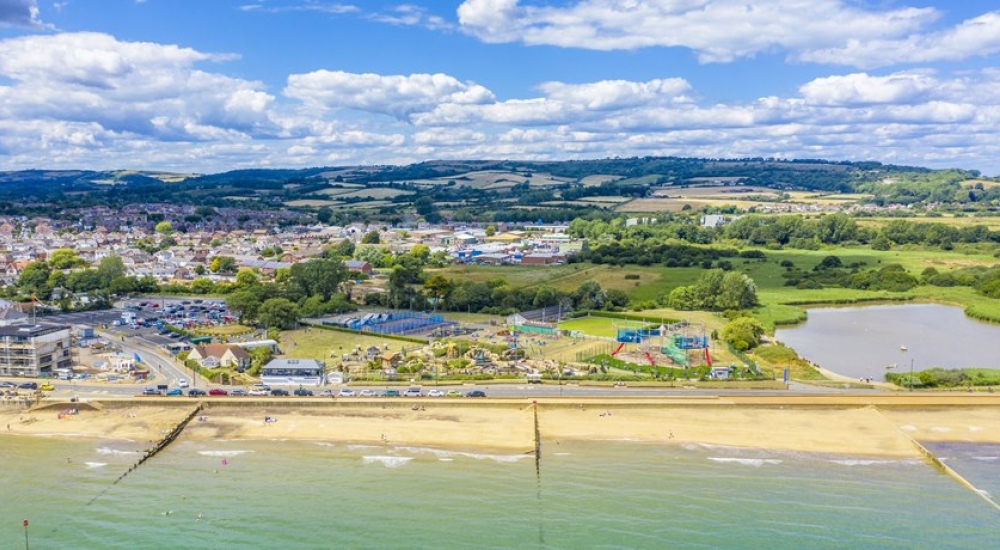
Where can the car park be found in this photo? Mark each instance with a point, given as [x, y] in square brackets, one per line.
[435, 393]
[217, 391]
[195, 392]
[476, 393]
[279, 392]
[413, 392]
[346, 392]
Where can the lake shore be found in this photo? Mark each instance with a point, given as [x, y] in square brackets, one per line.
[869, 425]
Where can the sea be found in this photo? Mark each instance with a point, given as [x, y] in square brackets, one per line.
[601, 494]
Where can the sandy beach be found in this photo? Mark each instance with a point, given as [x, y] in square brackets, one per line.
[843, 425]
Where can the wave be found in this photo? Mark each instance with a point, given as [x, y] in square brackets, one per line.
[324, 444]
[986, 458]
[387, 461]
[96, 464]
[475, 456]
[756, 462]
[223, 453]
[110, 451]
[362, 447]
[862, 462]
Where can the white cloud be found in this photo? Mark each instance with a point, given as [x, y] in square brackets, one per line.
[20, 13]
[411, 15]
[979, 36]
[87, 100]
[400, 96]
[128, 87]
[863, 89]
[717, 30]
[279, 6]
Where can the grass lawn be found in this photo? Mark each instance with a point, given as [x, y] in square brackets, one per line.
[225, 330]
[594, 326]
[314, 343]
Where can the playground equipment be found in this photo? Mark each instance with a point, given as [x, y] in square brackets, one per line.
[677, 346]
[618, 349]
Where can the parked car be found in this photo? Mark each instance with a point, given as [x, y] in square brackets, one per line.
[346, 392]
[476, 393]
[390, 393]
[47, 386]
[195, 392]
[217, 391]
[28, 386]
[413, 392]
[259, 391]
[279, 392]
[454, 393]
[435, 393]
[183, 383]
[174, 392]
[368, 393]
[238, 392]
[302, 392]
[151, 391]
[327, 393]
[7, 385]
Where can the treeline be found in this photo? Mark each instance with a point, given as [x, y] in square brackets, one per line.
[614, 239]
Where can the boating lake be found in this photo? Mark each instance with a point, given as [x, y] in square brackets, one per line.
[862, 341]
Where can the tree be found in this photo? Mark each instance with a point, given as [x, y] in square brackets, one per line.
[738, 292]
[164, 228]
[324, 215]
[343, 249]
[439, 287]
[258, 358]
[278, 312]
[246, 277]
[109, 269]
[223, 264]
[372, 237]
[34, 279]
[65, 258]
[743, 333]
[320, 276]
[590, 295]
[202, 286]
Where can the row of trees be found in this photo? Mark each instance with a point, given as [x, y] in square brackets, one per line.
[792, 231]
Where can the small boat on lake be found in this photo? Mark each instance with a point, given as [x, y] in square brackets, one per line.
[902, 347]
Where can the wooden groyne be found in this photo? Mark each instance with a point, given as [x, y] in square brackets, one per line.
[162, 444]
[538, 442]
[938, 464]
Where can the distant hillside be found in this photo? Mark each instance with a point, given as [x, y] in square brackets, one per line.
[466, 189]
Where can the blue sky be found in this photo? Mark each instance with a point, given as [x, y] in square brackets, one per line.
[212, 85]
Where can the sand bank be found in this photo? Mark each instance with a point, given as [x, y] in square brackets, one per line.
[856, 425]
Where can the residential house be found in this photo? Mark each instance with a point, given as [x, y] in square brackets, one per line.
[213, 356]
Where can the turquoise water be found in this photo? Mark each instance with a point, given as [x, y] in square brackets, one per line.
[291, 494]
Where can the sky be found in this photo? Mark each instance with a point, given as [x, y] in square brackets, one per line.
[203, 86]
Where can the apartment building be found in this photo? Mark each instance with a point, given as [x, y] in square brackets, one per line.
[31, 350]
